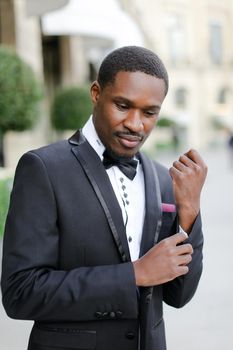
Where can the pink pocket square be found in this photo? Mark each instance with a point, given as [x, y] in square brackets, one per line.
[168, 208]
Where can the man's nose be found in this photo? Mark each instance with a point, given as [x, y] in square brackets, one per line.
[133, 121]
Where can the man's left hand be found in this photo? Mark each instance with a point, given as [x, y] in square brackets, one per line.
[188, 175]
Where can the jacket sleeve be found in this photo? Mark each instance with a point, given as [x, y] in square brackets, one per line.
[33, 285]
[179, 291]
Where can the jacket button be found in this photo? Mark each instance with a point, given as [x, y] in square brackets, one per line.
[98, 314]
[112, 314]
[130, 335]
[105, 314]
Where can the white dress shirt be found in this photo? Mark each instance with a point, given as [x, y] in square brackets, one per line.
[129, 193]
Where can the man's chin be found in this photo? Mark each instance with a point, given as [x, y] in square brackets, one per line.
[122, 154]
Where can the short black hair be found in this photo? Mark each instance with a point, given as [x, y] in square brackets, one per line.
[131, 59]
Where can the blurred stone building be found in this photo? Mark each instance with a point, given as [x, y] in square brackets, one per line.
[194, 40]
[64, 42]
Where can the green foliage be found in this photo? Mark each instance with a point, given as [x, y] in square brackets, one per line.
[218, 123]
[71, 107]
[5, 189]
[19, 93]
[165, 122]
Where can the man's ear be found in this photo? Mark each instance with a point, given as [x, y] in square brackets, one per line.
[95, 91]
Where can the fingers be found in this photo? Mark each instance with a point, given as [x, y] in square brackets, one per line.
[184, 249]
[184, 164]
[177, 238]
[164, 262]
[182, 270]
[186, 161]
[195, 157]
[184, 260]
[178, 166]
[189, 160]
[183, 253]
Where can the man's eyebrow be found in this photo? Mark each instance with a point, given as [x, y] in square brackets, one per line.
[121, 98]
[131, 103]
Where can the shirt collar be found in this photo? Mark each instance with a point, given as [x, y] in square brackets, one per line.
[92, 137]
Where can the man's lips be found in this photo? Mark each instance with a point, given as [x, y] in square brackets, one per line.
[129, 140]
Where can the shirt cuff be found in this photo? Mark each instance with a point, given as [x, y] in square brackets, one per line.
[182, 231]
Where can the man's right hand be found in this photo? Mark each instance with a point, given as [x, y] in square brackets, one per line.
[164, 262]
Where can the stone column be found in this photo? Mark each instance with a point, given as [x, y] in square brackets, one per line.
[74, 63]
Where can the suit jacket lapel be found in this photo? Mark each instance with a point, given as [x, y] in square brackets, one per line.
[151, 229]
[101, 184]
[153, 214]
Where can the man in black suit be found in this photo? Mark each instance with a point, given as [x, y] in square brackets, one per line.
[90, 252]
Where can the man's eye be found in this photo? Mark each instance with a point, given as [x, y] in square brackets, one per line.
[150, 113]
[121, 106]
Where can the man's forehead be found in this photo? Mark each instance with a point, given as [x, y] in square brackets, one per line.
[137, 83]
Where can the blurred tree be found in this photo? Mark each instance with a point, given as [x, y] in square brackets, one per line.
[165, 122]
[19, 95]
[170, 124]
[5, 189]
[71, 107]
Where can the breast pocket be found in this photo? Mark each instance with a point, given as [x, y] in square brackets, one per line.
[61, 339]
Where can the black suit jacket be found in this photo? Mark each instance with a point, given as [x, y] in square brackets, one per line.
[66, 261]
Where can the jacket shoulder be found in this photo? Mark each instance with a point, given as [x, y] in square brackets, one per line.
[52, 153]
[53, 149]
[50, 157]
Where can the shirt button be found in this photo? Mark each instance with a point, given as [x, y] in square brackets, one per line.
[123, 187]
[130, 239]
[121, 179]
[125, 195]
[127, 202]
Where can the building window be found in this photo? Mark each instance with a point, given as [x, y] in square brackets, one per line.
[223, 95]
[7, 23]
[51, 62]
[181, 97]
[176, 38]
[215, 43]
[92, 72]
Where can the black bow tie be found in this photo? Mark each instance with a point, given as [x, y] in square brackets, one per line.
[126, 165]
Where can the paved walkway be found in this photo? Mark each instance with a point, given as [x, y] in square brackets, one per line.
[206, 323]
